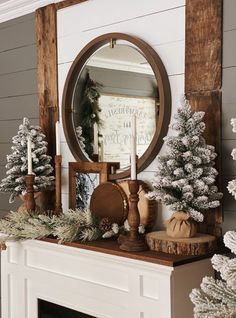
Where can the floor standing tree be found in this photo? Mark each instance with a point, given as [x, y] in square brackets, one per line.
[185, 179]
[232, 184]
[217, 297]
[17, 162]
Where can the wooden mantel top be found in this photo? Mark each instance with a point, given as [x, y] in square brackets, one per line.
[110, 246]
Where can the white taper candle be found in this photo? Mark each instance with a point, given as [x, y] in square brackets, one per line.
[29, 155]
[57, 139]
[133, 174]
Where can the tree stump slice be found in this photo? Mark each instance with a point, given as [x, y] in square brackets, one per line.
[201, 244]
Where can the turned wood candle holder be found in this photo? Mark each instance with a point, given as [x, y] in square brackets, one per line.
[133, 241]
[30, 201]
[58, 205]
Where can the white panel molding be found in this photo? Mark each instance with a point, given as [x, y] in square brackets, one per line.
[15, 8]
[95, 283]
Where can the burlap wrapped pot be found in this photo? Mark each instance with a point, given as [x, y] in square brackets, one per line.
[180, 225]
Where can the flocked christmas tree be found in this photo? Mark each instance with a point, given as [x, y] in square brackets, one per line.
[232, 184]
[217, 297]
[185, 180]
[17, 162]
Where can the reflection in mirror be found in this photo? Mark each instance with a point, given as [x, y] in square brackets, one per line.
[114, 84]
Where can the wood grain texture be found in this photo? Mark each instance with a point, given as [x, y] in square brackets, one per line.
[47, 71]
[110, 246]
[203, 45]
[67, 3]
[210, 103]
[199, 245]
[46, 32]
[203, 79]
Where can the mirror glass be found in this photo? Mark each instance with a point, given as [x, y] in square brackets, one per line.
[115, 83]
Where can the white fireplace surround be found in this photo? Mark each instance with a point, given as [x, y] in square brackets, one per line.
[94, 283]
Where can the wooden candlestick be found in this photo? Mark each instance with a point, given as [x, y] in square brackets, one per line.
[58, 205]
[30, 201]
[133, 242]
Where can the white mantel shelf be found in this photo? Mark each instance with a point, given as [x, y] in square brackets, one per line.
[97, 279]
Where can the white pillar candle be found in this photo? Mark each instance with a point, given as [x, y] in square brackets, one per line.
[133, 149]
[57, 139]
[95, 138]
[29, 155]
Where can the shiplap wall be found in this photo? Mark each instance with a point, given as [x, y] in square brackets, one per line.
[17, 86]
[229, 109]
[161, 23]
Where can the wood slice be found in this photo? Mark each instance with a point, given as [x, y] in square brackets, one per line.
[147, 208]
[201, 244]
[109, 200]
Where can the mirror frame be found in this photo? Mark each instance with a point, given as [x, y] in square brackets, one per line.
[160, 73]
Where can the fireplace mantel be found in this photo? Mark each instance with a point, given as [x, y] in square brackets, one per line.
[94, 282]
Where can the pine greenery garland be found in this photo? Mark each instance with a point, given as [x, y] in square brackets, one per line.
[17, 162]
[72, 225]
[217, 297]
[185, 179]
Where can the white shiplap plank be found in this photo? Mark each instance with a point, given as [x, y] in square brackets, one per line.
[157, 31]
[109, 12]
[174, 64]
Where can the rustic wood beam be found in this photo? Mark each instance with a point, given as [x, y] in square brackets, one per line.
[203, 75]
[46, 39]
[203, 54]
[67, 3]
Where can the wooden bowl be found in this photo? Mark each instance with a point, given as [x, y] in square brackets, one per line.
[109, 200]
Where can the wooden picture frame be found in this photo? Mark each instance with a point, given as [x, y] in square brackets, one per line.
[91, 175]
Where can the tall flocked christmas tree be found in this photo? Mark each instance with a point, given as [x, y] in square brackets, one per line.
[217, 297]
[185, 179]
[17, 162]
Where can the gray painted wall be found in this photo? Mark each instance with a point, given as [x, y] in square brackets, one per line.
[229, 109]
[18, 87]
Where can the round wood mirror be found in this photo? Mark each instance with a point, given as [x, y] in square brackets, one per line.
[114, 77]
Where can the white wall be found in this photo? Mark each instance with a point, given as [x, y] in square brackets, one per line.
[161, 23]
[229, 109]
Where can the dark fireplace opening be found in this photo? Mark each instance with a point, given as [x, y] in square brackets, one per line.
[51, 310]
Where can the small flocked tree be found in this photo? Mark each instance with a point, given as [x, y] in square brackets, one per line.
[17, 162]
[185, 180]
[217, 297]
